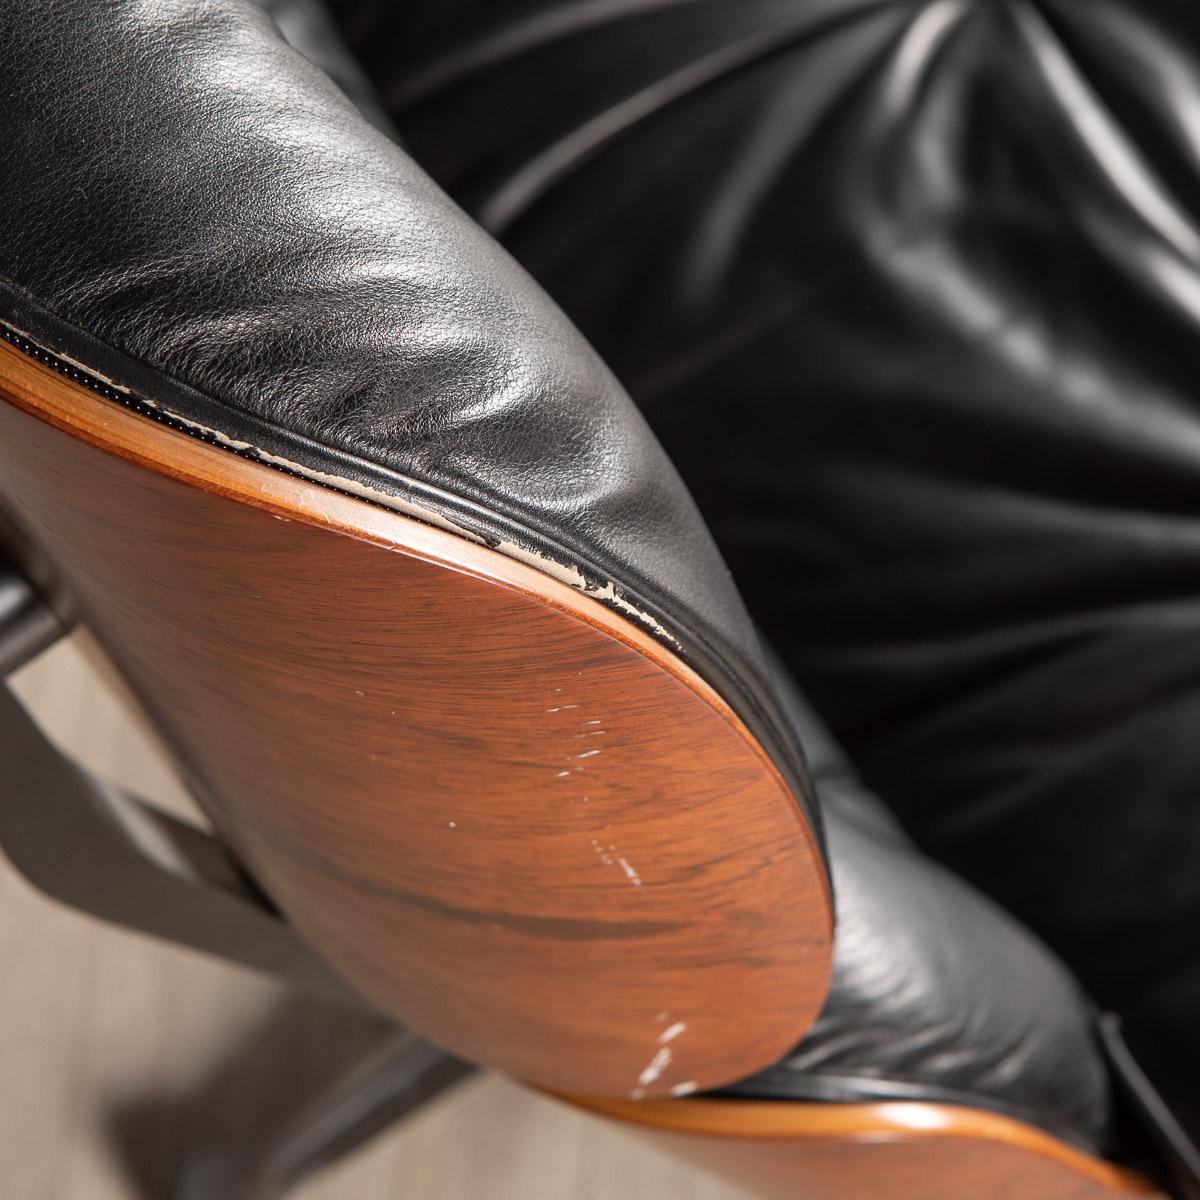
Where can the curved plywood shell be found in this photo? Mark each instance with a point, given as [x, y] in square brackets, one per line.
[903, 1151]
[503, 812]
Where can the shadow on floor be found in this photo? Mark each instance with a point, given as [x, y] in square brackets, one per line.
[203, 1145]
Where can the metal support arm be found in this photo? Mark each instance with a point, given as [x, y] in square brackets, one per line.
[27, 625]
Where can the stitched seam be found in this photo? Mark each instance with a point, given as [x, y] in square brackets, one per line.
[607, 592]
[145, 409]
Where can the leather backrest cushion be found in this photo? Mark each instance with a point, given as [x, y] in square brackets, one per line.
[911, 294]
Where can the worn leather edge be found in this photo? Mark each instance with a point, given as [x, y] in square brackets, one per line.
[154, 393]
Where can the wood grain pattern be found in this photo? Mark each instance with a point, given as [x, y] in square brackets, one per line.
[505, 813]
[133, 1060]
[902, 1151]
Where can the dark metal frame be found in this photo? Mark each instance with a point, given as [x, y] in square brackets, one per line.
[103, 852]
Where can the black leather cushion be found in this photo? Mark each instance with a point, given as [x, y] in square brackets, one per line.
[937, 994]
[252, 255]
[307, 26]
[191, 207]
[911, 294]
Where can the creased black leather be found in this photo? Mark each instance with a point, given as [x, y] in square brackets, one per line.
[194, 210]
[206, 219]
[937, 995]
[306, 25]
[910, 291]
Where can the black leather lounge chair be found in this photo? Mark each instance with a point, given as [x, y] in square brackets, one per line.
[909, 293]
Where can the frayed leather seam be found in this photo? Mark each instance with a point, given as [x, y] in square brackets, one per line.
[606, 593]
[693, 648]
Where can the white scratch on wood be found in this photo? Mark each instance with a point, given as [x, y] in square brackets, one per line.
[630, 872]
[657, 1065]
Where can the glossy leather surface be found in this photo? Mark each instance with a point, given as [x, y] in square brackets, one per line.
[937, 994]
[307, 26]
[203, 217]
[910, 291]
[252, 253]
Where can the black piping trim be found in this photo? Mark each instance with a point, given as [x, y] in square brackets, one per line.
[145, 409]
[1152, 1112]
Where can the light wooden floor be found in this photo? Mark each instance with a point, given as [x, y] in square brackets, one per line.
[121, 1059]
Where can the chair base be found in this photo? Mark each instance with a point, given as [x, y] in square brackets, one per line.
[393, 1084]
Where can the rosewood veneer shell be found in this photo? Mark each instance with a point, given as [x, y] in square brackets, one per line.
[504, 812]
[902, 1151]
